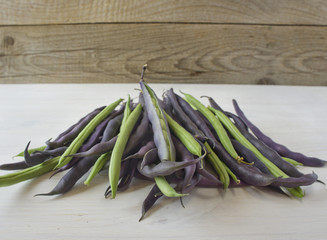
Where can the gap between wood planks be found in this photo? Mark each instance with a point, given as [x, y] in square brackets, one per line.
[175, 23]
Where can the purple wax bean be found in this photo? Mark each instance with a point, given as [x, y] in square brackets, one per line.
[292, 182]
[68, 181]
[269, 153]
[150, 157]
[14, 166]
[282, 150]
[142, 151]
[150, 200]
[97, 149]
[249, 156]
[69, 136]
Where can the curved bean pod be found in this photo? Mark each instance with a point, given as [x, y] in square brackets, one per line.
[73, 131]
[14, 166]
[97, 149]
[164, 168]
[157, 118]
[149, 157]
[142, 151]
[196, 118]
[28, 173]
[84, 134]
[118, 150]
[68, 181]
[166, 189]
[275, 171]
[266, 151]
[292, 182]
[281, 149]
[185, 121]
[150, 200]
[216, 124]
[184, 136]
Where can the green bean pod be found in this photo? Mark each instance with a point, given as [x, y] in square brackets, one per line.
[218, 166]
[184, 136]
[85, 133]
[292, 161]
[118, 150]
[274, 170]
[28, 173]
[221, 132]
[98, 165]
[166, 189]
[127, 110]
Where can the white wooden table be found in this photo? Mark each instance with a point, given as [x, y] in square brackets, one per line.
[294, 116]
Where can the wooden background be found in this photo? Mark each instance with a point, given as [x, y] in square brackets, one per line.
[224, 41]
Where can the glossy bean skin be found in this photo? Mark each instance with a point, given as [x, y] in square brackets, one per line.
[281, 149]
[266, 151]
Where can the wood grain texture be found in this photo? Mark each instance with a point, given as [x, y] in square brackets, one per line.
[18, 12]
[181, 53]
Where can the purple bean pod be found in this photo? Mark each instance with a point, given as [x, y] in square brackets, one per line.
[281, 149]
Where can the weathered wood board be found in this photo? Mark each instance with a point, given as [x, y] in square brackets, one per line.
[238, 42]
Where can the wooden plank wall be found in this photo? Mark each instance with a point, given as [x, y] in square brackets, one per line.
[224, 41]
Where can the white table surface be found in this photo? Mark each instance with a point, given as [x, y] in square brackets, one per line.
[294, 116]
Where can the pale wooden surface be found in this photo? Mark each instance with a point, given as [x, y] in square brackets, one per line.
[18, 12]
[295, 116]
[189, 53]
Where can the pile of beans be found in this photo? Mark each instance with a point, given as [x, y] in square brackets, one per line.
[175, 142]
